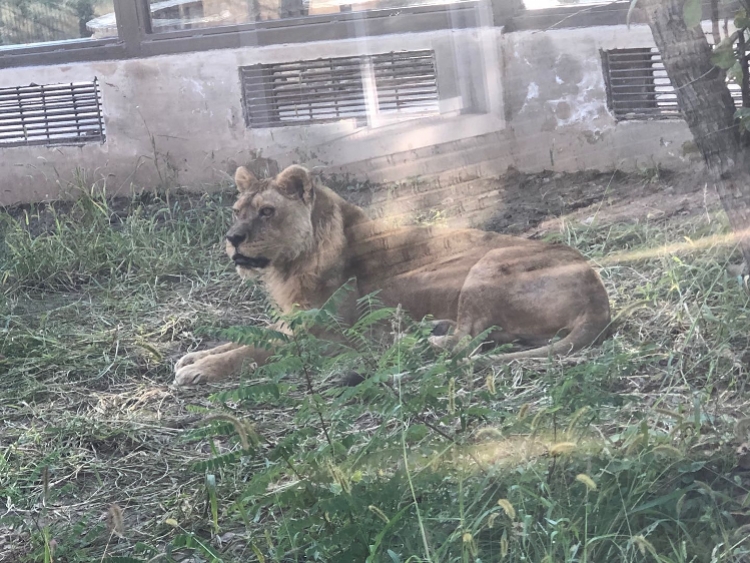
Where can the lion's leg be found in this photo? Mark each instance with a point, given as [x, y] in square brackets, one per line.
[220, 362]
[193, 357]
[215, 367]
[448, 342]
[471, 320]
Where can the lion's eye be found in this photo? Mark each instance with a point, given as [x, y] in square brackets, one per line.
[266, 211]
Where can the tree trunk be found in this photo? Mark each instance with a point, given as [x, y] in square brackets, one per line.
[745, 85]
[708, 108]
[715, 22]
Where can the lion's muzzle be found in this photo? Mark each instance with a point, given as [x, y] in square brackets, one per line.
[235, 237]
[256, 263]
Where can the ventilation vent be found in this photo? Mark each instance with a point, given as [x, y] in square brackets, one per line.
[51, 114]
[324, 90]
[638, 86]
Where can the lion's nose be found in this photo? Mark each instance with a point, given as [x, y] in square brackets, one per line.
[235, 239]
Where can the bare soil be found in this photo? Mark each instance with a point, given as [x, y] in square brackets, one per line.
[526, 204]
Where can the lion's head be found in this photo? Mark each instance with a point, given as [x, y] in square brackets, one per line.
[272, 220]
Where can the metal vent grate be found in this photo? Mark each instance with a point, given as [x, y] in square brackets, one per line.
[324, 90]
[51, 114]
[638, 86]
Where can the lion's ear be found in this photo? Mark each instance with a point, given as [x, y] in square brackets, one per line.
[295, 181]
[244, 179]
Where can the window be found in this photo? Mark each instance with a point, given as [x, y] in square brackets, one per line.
[51, 114]
[49, 32]
[324, 90]
[638, 86]
[172, 15]
[25, 22]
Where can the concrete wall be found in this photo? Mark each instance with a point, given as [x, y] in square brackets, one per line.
[178, 119]
[556, 117]
[555, 104]
[533, 100]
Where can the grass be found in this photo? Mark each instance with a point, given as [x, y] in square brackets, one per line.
[624, 452]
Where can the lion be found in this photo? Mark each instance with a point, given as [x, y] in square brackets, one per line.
[303, 241]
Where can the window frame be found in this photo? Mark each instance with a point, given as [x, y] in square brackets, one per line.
[135, 39]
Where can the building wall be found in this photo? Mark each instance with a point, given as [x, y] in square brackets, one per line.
[532, 100]
[179, 119]
[556, 117]
[556, 104]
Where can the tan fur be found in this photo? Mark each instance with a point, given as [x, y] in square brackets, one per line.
[304, 242]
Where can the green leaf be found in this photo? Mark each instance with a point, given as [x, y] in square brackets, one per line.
[211, 492]
[194, 542]
[259, 393]
[741, 21]
[141, 547]
[692, 13]
[372, 318]
[735, 72]
[416, 432]
[659, 501]
[258, 553]
[723, 56]
[381, 535]
[217, 462]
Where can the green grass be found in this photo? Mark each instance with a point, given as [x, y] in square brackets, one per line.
[622, 453]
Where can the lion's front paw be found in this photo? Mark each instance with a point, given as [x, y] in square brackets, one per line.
[441, 342]
[201, 371]
[449, 342]
[188, 359]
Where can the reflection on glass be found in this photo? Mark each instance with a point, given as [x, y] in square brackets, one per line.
[545, 4]
[169, 15]
[28, 22]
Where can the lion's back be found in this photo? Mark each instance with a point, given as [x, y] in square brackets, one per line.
[423, 268]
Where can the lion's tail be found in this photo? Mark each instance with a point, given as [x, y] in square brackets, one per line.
[584, 333]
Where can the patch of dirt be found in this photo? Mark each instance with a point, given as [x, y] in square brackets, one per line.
[537, 204]
[533, 204]
[518, 203]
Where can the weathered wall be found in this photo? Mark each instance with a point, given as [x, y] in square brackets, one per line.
[179, 118]
[533, 100]
[556, 104]
[556, 117]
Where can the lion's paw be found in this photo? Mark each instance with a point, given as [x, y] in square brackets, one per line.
[197, 373]
[188, 359]
[441, 342]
